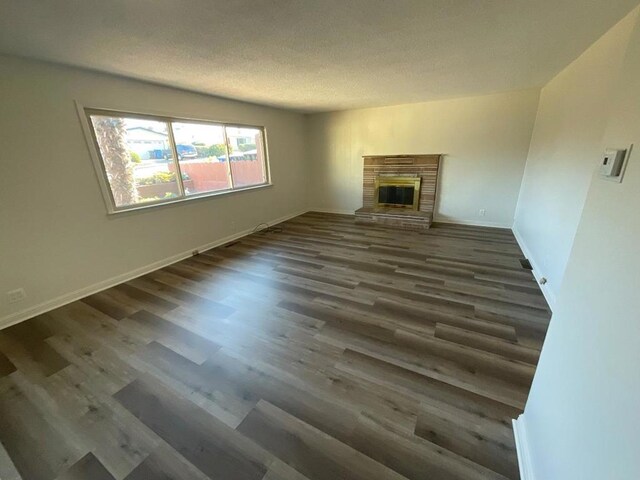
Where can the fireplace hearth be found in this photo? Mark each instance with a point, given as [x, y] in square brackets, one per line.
[399, 190]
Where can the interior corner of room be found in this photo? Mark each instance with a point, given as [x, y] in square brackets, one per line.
[546, 173]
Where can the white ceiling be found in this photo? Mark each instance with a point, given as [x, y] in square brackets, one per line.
[314, 55]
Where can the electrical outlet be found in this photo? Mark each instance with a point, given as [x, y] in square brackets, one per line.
[15, 296]
[482, 212]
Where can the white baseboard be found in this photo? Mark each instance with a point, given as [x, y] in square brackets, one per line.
[331, 210]
[537, 273]
[472, 223]
[522, 448]
[62, 300]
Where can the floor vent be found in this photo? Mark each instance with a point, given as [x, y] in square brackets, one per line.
[526, 264]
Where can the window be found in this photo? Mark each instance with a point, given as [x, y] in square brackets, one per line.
[247, 165]
[148, 160]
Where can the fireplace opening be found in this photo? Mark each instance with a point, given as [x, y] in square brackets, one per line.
[399, 192]
[395, 195]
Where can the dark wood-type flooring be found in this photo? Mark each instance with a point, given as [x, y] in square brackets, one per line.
[327, 350]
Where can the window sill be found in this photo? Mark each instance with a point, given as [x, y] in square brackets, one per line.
[201, 196]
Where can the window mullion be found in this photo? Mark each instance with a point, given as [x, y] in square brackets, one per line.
[176, 163]
[226, 146]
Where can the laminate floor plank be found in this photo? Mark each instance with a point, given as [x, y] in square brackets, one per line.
[190, 378]
[308, 450]
[8, 470]
[146, 300]
[37, 447]
[104, 426]
[184, 296]
[104, 303]
[450, 431]
[404, 311]
[165, 463]
[487, 343]
[6, 366]
[412, 455]
[27, 341]
[36, 358]
[324, 349]
[88, 467]
[209, 445]
[431, 366]
[182, 340]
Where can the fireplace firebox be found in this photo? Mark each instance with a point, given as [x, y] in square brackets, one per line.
[396, 191]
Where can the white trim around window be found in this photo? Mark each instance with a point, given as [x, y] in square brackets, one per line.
[177, 163]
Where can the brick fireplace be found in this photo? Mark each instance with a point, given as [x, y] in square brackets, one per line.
[399, 190]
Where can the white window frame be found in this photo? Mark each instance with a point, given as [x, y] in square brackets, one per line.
[85, 113]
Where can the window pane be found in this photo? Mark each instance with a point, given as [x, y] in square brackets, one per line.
[202, 157]
[137, 160]
[247, 156]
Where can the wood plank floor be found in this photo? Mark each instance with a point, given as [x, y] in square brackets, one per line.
[323, 350]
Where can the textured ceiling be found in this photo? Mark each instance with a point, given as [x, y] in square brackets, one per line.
[314, 55]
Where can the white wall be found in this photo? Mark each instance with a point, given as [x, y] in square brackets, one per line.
[55, 235]
[485, 139]
[582, 415]
[565, 145]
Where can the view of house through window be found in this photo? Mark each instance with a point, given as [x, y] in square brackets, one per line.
[203, 157]
[138, 157]
[247, 145]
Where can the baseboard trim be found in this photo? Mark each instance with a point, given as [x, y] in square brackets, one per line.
[65, 299]
[331, 210]
[549, 296]
[522, 448]
[472, 223]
